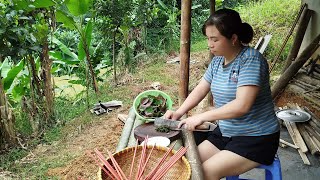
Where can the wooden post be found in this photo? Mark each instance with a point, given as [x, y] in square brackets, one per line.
[212, 10]
[184, 49]
[302, 27]
[212, 6]
[284, 79]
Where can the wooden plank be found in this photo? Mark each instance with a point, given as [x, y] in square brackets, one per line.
[289, 144]
[314, 141]
[293, 136]
[307, 138]
[123, 117]
[296, 136]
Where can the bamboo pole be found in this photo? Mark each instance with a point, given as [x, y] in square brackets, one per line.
[192, 155]
[126, 131]
[302, 27]
[132, 139]
[287, 37]
[284, 79]
[184, 49]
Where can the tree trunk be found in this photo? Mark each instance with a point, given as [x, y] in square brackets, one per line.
[93, 76]
[284, 79]
[35, 88]
[114, 57]
[47, 86]
[7, 133]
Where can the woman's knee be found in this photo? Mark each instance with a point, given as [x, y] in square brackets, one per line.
[211, 173]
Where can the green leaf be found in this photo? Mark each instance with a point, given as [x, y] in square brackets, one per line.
[88, 32]
[21, 4]
[67, 21]
[196, 6]
[12, 74]
[5, 68]
[54, 69]
[162, 5]
[81, 52]
[78, 7]
[75, 81]
[64, 48]
[43, 3]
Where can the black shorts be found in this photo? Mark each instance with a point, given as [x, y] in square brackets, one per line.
[260, 149]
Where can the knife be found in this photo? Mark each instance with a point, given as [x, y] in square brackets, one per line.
[173, 125]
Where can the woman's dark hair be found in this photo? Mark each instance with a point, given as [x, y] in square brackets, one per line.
[228, 22]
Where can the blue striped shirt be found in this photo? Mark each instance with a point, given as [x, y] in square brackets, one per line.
[248, 68]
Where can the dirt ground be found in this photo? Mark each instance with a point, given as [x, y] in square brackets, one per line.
[105, 130]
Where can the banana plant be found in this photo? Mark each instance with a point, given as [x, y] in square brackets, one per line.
[73, 14]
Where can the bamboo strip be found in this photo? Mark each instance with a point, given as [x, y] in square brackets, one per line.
[117, 167]
[152, 172]
[134, 156]
[101, 166]
[107, 164]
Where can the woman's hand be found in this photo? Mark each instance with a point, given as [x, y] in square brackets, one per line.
[173, 115]
[190, 123]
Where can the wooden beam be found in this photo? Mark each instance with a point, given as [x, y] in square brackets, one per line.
[184, 49]
[284, 79]
[302, 27]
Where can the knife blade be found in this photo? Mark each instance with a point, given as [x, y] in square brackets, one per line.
[173, 125]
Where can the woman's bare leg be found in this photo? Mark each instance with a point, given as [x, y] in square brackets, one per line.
[206, 150]
[226, 163]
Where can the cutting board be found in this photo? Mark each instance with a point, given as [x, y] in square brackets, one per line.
[141, 132]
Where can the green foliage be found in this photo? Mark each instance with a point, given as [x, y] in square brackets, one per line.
[22, 124]
[7, 159]
[78, 7]
[52, 135]
[271, 17]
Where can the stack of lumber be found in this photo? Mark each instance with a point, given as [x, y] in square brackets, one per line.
[305, 135]
[307, 87]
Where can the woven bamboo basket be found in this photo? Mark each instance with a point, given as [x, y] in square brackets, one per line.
[179, 171]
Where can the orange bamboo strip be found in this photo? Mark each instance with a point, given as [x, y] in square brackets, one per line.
[101, 166]
[106, 163]
[117, 167]
[146, 162]
[134, 156]
[142, 157]
[152, 172]
[164, 169]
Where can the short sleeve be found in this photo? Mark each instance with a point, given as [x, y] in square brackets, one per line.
[251, 70]
[209, 73]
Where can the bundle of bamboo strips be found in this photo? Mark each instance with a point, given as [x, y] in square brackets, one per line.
[141, 168]
[305, 135]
